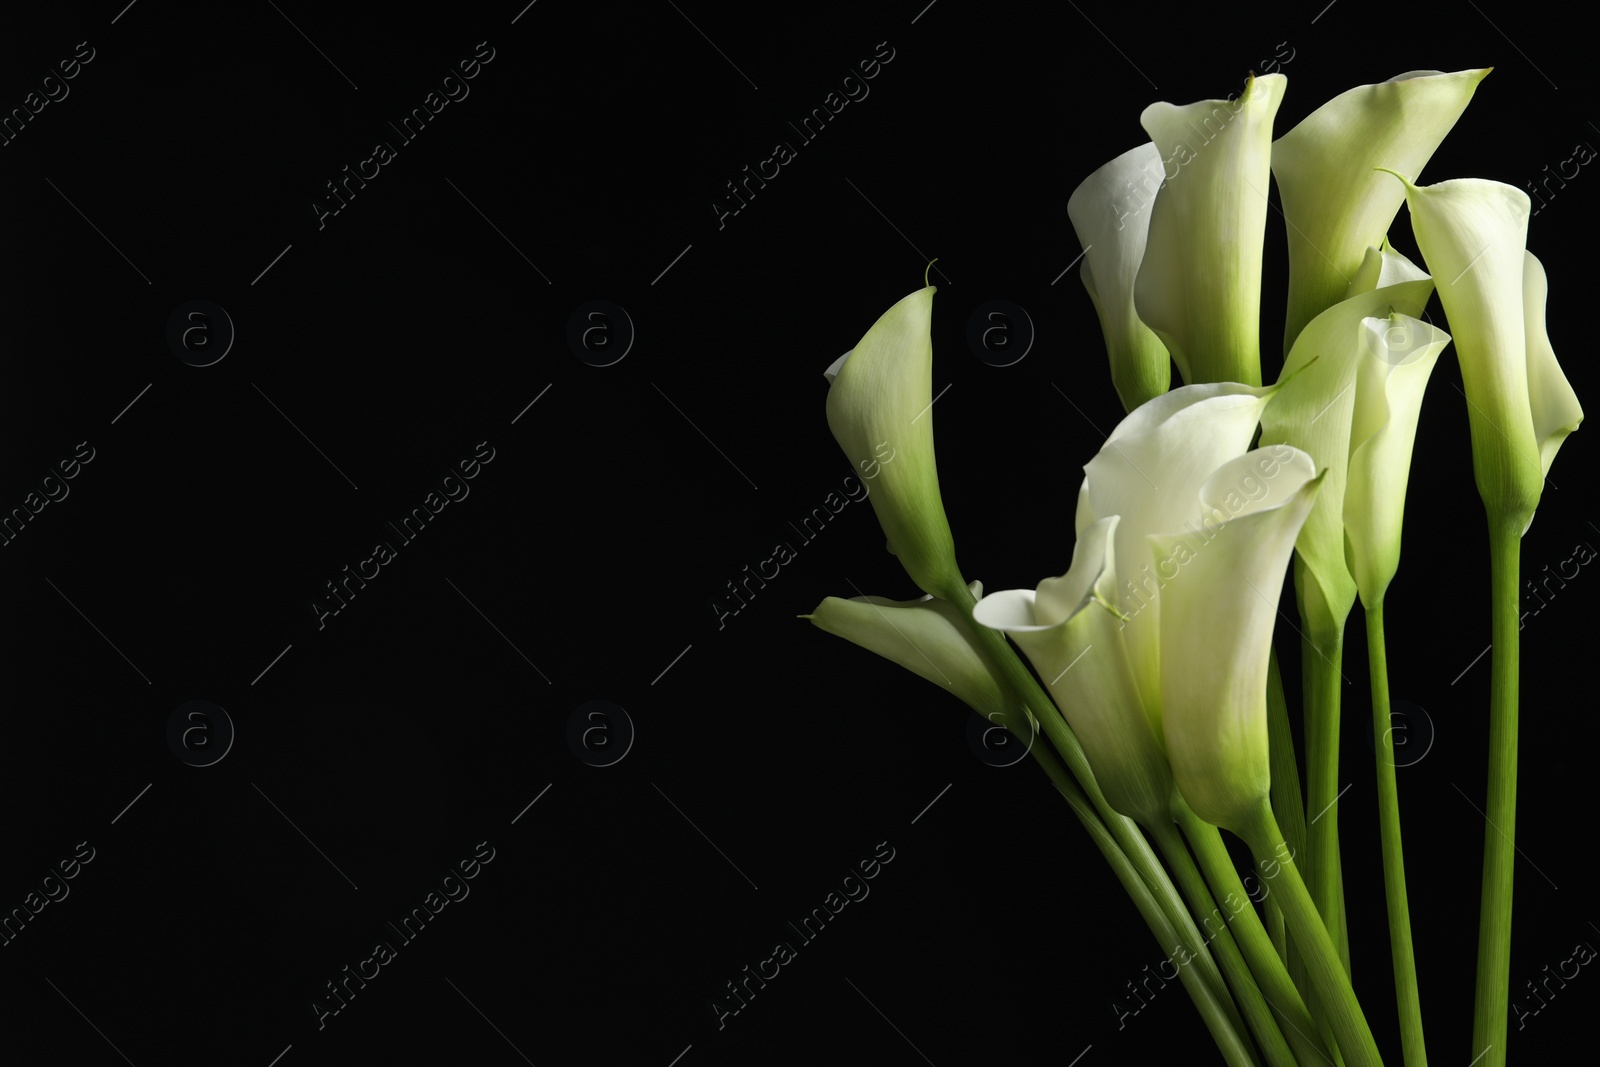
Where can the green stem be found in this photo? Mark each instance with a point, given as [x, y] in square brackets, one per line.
[1125, 831]
[1329, 981]
[1217, 1016]
[1277, 987]
[1323, 652]
[1394, 864]
[1494, 922]
[1249, 996]
[1288, 802]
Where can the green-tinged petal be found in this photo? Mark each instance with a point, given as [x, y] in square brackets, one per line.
[1335, 203]
[1217, 615]
[1199, 285]
[1383, 267]
[1110, 212]
[1073, 640]
[1400, 354]
[1312, 411]
[1148, 472]
[927, 636]
[1472, 233]
[1554, 405]
[880, 409]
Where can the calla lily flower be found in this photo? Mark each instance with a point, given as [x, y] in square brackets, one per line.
[1472, 233]
[1172, 485]
[1337, 205]
[1400, 353]
[1149, 472]
[1314, 412]
[926, 636]
[1072, 635]
[1216, 621]
[1199, 284]
[880, 401]
[1110, 212]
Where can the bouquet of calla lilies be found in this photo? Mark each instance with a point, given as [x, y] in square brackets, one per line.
[1153, 673]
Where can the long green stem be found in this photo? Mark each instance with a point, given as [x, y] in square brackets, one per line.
[1394, 864]
[1276, 985]
[1494, 922]
[1330, 983]
[1245, 990]
[1218, 1018]
[1324, 651]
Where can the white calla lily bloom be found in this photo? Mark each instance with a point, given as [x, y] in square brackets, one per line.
[1073, 637]
[1110, 212]
[1198, 518]
[1199, 284]
[1472, 232]
[880, 400]
[1337, 205]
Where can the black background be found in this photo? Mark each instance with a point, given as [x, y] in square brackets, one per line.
[425, 716]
